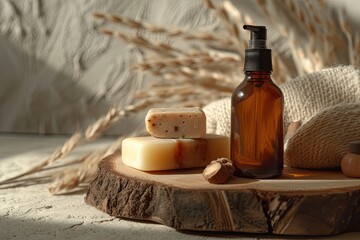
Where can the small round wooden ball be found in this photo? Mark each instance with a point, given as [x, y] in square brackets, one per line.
[350, 163]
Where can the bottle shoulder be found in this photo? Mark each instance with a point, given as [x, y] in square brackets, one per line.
[248, 88]
[275, 89]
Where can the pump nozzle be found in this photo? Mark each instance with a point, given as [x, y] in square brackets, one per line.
[257, 56]
[257, 36]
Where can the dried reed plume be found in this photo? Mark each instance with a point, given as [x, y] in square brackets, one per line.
[70, 179]
[170, 32]
[138, 41]
[59, 153]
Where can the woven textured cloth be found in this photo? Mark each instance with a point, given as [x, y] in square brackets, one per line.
[323, 140]
[304, 98]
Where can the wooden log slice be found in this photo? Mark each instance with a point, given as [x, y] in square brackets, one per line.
[300, 202]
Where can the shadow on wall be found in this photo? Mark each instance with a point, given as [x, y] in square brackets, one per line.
[57, 72]
[37, 98]
[34, 97]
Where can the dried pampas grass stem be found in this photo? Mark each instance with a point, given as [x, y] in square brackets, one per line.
[191, 62]
[69, 180]
[170, 32]
[230, 17]
[114, 115]
[139, 41]
[93, 132]
[59, 153]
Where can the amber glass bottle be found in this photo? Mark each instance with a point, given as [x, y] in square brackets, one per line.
[257, 115]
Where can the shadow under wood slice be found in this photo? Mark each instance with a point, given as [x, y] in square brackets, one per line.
[185, 201]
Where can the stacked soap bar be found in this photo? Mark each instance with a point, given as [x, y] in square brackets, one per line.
[154, 154]
[176, 122]
[178, 140]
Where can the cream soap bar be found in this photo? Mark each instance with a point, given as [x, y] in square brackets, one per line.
[154, 154]
[176, 122]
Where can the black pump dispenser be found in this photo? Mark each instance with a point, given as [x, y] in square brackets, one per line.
[257, 56]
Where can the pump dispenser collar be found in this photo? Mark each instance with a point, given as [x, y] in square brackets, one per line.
[257, 56]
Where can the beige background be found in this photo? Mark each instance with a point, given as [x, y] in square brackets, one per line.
[57, 73]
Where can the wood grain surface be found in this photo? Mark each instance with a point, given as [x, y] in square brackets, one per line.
[300, 202]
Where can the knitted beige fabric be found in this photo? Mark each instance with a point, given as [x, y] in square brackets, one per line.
[324, 139]
[307, 95]
[218, 115]
[303, 97]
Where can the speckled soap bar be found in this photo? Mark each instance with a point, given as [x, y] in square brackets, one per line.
[155, 154]
[176, 122]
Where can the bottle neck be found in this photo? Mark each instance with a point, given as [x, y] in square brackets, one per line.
[258, 75]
